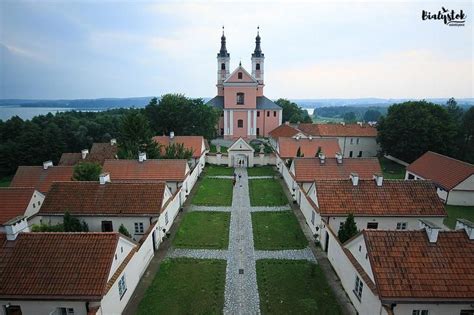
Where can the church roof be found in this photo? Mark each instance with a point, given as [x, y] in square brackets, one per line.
[263, 103]
[266, 103]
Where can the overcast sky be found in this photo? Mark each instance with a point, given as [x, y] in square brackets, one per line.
[92, 49]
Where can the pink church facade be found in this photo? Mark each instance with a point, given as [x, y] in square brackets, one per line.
[246, 112]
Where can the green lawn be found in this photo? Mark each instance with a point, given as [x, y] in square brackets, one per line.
[213, 149]
[277, 230]
[5, 181]
[261, 171]
[219, 170]
[201, 229]
[391, 170]
[458, 212]
[294, 287]
[214, 192]
[266, 192]
[186, 286]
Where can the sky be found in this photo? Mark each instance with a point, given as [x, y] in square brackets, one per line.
[318, 49]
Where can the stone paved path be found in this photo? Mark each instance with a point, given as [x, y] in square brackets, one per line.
[261, 177]
[241, 290]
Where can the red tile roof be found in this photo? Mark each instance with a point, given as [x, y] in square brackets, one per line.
[283, 131]
[157, 170]
[190, 142]
[338, 130]
[56, 265]
[70, 159]
[101, 152]
[13, 202]
[92, 198]
[407, 266]
[289, 146]
[442, 170]
[39, 178]
[393, 198]
[309, 169]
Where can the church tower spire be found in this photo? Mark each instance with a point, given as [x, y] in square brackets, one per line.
[223, 64]
[258, 59]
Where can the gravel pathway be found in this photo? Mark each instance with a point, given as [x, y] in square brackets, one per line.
[241, 291]
[293, 254]
[198, 253]
[278, 208]
[207, 208]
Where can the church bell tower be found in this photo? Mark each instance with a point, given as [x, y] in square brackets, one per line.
[258, 59]
[223, 64]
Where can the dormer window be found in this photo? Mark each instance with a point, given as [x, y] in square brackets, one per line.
[257, 66]
[240, 98]
[239, 75]
[222, 66]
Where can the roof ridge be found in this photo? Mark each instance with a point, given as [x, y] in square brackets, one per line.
[449, 157]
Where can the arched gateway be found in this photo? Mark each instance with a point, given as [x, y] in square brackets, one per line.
[240, 154]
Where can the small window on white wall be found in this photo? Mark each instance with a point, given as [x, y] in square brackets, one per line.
[359, 286]
[122, 286]
[139, 228]
[65, 311]
[312, 217]
[401, 226]
[166, 218]
[420, 312]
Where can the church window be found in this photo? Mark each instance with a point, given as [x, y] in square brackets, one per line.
[239, 75]
[274, 113]
[258, 113]
[240, 98]
[222, 66]
[268, 114]
[257, 66]
[240, 123]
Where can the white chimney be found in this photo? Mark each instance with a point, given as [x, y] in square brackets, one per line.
[378, 179]
[310, 138]
[15, 226]
[113, 141]
[355, 179]
[359, 123]
[84, 153]
[431, 229]
[297, 137]
[466, 225]
[287, 123]
[104, 178]
[141, 156]
[343, 123]
[47, 164]
[339, 158]
[171, 134]
[322, 158]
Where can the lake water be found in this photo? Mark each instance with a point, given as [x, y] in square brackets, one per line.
[6, 112]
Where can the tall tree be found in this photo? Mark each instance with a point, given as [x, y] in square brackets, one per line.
[136, 136]
[183, 116]
[292, 112]
[455, 111]
[372, 115]
[348, 229]
[350, 117]
[412, 128]
[177, 151]
[87, 171]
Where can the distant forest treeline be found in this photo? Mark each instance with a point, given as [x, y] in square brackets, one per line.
[46, 137]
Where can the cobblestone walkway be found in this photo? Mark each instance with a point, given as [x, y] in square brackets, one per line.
[261, 177]
[241, 290]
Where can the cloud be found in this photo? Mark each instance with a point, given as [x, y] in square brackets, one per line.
[413, 73]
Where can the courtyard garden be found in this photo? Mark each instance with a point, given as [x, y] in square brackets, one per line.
[261, 171]
[277, 230]
[391, 170]
[213, 192]
[218, 170]
[458, 212]
[266, 192]
[294, 287]
[186, 286]
[203, 229]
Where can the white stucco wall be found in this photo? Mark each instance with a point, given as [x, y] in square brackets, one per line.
[462, 194]
[385, 223]
[368, 146]
[44, 307]
[359, 251]
[95, 223]
[433, 309]
[369, 304]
